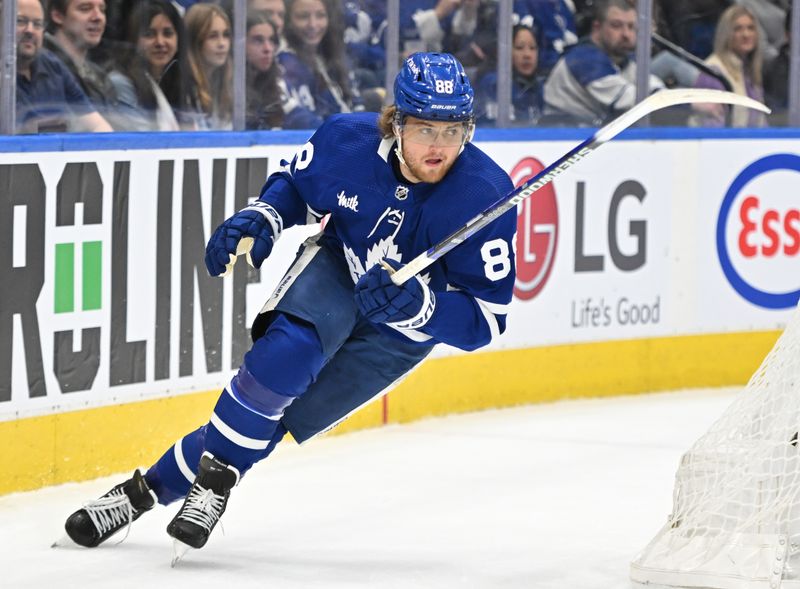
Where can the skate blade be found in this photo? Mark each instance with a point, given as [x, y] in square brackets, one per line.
[64, 542]
[179, 550]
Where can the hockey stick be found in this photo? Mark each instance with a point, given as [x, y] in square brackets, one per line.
[650, 104]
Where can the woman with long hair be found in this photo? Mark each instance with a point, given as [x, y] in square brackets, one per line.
[209, 31]
[736, 57]
[526, 82]
[152, 80]
[314, 63]
[264, 108]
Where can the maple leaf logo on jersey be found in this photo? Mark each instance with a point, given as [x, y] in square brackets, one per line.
[384, 249]
[383, 233]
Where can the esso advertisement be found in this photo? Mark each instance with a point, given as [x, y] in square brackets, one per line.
[537, 232]
[758, 232]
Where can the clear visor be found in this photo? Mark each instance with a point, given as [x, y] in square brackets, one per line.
[444, 134]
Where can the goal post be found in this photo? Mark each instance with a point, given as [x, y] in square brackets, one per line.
[735, 522]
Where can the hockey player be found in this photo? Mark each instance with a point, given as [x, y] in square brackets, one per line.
[337, 331]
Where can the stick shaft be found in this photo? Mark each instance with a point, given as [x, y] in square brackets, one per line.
[652, 103]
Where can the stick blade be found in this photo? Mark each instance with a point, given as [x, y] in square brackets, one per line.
[674, 97]
[689, 95]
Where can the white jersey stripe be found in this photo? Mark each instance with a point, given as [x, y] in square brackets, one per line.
[491, 320]
[236, 437]
[181, 460]
[495, 308]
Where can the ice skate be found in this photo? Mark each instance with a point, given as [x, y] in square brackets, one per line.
[204, 505]
[98, 520]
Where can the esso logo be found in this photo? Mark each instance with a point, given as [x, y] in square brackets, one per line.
[537, 232]
[758, 232]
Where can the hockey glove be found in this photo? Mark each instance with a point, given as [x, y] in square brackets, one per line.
[251, 231]
[408, 306]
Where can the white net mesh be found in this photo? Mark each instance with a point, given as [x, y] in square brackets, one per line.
[736, 514]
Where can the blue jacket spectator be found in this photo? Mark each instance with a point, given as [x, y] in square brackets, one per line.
[596, 79]
[691, 23]
[555, 24]
[315, 67]
[364, 46]
[49, 97]
[527, 96]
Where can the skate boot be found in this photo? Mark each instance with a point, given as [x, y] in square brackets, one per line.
[205, 503]
[98, 520]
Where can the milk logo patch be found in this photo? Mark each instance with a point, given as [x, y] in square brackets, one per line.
[347, 202]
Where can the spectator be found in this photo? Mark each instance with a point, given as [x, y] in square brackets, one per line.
[264, 103]
[737, 57]
[776, 81]
[476, 46]
[315, 71]
[595, 80]
[365, 52]
[75, 27]
[49, 97]
[526, 88]
[209, 32]
[691, 23]
[770, 16]
[425, 24]
[555, 24]
[152, 79]
[275, 11]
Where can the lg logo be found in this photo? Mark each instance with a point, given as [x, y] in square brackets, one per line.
[537, 232]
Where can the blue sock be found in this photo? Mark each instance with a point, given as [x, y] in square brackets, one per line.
[245, 426]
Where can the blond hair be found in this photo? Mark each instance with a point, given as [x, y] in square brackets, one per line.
[751, 64]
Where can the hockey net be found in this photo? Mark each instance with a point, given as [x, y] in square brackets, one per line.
[735, 522]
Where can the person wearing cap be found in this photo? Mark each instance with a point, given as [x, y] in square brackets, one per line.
[337, 332]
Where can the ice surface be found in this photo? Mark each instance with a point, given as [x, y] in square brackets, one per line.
[547, 496]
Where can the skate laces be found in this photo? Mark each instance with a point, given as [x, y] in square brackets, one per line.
[110, 512]
[203, 507]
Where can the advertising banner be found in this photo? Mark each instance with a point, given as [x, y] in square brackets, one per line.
[105, 296]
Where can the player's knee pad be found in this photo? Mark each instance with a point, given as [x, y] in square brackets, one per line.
[287, 358]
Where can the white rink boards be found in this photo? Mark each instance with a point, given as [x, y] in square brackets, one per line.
[549, 496]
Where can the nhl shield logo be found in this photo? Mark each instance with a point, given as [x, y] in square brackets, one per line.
[401, 192]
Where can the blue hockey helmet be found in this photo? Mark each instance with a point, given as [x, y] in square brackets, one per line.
[433, 86]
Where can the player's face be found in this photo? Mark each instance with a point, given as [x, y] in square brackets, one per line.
[30, 29]
[525, 53]
[745, 36]
[217, 45]
[261, 43]
[616, 35]
[158, 44]
[430, 148]
[309, 20]
[83, 23]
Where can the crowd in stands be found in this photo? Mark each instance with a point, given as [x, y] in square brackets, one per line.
[167, 65]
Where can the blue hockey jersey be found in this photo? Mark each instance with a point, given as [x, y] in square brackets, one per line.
[345, 171]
